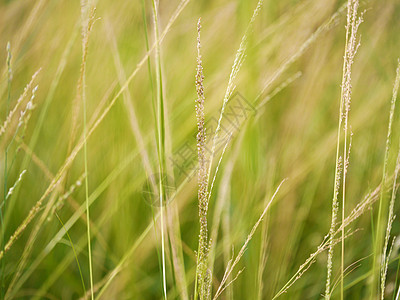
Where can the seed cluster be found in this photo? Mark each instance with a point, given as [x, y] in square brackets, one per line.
[203, 273]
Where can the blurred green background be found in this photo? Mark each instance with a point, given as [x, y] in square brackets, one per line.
[292, 136]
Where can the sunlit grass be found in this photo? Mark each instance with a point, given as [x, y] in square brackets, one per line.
[108, 194]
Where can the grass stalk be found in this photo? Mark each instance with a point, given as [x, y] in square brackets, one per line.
[237, 64]
[4, 204]
[160, 142]
[88, 14]
[251, 145]
[353, 22]
[202, 279]
[385, 256]
[335, 208]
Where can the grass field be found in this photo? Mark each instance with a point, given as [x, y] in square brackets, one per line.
[199, 149]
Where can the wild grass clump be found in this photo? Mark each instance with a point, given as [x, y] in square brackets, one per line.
[112, 189]
[343, 157]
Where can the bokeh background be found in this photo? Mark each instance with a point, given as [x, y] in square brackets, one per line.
[292, 135]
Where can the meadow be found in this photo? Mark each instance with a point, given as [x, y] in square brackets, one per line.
[183, 149]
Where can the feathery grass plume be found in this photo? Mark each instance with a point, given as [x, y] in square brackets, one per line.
[351, 46]
[23, 120]
[11, 190]
[9, 76]
[10, 115]
[224, 284]
[25, 114]
[335, 209]
[203, 172]
[87, 12]
[203, 279]
[88, 19]
[385, 256]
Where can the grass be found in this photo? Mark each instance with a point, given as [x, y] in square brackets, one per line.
[142, 162]
[87, 23]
